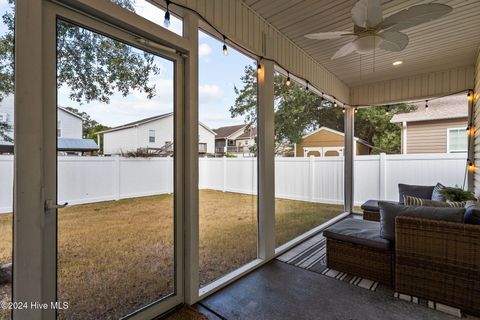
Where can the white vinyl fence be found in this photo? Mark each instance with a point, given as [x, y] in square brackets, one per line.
[94, 179]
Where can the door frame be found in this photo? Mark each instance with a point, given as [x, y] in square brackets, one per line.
[35, 234]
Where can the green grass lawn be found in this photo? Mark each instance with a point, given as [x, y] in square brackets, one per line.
[116, 256]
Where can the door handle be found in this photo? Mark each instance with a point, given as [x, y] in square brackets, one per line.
[50, 204]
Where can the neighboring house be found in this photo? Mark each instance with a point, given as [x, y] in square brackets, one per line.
[326, 142]
[439, 129]
[69, 130]
[237, 139]
[154, 134]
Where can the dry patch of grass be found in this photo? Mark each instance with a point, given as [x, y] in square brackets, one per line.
[117, 256]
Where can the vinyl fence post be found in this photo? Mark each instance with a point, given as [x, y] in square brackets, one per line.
[224, 163]
[116, 179]
[383, 176]
[311, 171]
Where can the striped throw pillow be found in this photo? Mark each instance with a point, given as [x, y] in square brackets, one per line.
[457, 204]
[419, 202]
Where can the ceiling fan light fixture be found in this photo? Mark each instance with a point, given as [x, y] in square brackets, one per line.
[397, 63]
[366, 44]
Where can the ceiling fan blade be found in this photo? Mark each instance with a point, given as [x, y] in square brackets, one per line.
[393, 41]
[343, 51]
[327, 35]
[367, 13]
[415, 15]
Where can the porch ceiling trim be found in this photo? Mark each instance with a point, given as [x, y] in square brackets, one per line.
[416, 87]
[246, 27]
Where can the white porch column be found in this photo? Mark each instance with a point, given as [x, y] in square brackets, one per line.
[34, 275]
[191, 209]
[266, 161]
[349, 159]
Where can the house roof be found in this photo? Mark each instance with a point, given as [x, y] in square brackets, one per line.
[450, 107]
[69, 144]
[147, 120]
[225, 132]
[248, 134]
[63, 144]
[341, 134]
[70, 112]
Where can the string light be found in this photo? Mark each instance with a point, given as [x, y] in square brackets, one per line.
[471, 166]
[288, 79]
[259, 68]
[426, 104]
[387, 112]
[225, 49]
[166, 21]
[469, 95]
[343, 109]
[306, 88]
[356, 110]
[334, 102]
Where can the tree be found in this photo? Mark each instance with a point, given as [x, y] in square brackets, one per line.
[299, 111]
[91, 65]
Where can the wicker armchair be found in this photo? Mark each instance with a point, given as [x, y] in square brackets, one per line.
[439, 261]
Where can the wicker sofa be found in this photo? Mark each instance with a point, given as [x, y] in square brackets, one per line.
[439, 261]
[430, 259]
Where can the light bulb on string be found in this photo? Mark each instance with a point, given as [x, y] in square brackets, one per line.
[288, 79]
[343, 109]
[166, 21]
[426, 104]
[356, 109]
[306, 87]
[259, 68]
[225, 49]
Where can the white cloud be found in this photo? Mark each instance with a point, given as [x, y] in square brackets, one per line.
[204, 50]
[209, 93]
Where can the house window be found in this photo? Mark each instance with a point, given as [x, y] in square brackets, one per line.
[457, 140]
[151, 136]
[59, 128]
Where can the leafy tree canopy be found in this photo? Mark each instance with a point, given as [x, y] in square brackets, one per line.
[93, 66]
[299, 111]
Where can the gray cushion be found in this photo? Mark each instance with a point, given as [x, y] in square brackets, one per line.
[472, 212]
[362, 232]
[372, 205]
[437, 192]
[424, 192]
[388, 213]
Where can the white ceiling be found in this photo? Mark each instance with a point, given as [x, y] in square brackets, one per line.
[450, 41]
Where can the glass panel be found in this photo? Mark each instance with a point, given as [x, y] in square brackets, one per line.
[116, 239]
[228, 167]
[6, 152]
[410, 145]
[309, 162]
[153, 13]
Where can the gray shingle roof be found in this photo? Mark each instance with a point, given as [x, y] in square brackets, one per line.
[225, 132]
[450, 107]
[69, 144]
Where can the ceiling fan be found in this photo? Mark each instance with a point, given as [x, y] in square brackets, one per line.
[372, 31]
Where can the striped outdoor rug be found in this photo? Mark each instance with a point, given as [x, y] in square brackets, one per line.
[312, 255]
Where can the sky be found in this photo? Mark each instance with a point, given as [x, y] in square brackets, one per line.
[218, 74]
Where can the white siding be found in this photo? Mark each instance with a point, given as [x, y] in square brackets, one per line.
[206, 136]
[71, 125]
[133, 138]
[6, 109]
[476, 108]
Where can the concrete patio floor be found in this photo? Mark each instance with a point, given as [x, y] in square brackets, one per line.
[282, 291]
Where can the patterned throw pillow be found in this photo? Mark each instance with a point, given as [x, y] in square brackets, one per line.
[419, 202]
[457, 204]
[437, 192]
